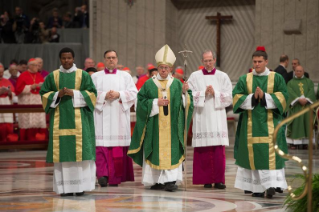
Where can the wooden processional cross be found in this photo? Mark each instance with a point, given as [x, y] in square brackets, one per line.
[218, 19]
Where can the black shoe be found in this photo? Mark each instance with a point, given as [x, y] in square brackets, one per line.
[220, 185]
[258, 194]
[157, 186]
[79, 193]
[270, 192]
[208, 186]
[113, 185]
[279, 190]
[66, 194]
[102, 181]
[170, 187]
[248, 192]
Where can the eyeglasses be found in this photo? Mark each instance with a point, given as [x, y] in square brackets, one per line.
[109, 58]
[164, 68]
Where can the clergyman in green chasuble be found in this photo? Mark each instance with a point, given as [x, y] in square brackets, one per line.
[301, 93]
[148, 131]
[69, 95]
[259, 98]
[72, 136]
[158, 138]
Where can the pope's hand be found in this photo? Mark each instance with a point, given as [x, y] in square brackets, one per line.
[162, 102]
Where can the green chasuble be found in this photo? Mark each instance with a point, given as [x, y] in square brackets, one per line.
[160, 138]
[72, 135]
[253, 143]
[299, 127]
[318, 93]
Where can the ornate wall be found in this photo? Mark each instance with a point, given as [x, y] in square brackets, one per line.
[273, 16]
[237, 35]
[137, 32]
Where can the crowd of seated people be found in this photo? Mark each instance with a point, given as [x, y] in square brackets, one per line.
[18, 28]
[20, 84]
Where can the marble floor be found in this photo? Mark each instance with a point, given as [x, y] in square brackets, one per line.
[26, 185]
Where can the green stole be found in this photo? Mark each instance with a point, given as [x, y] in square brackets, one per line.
[72, 134]
[253, 143]
[299, 127]
[160, 138]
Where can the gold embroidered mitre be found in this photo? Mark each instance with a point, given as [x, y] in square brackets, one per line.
[165, 56]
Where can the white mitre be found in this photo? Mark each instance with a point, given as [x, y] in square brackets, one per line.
[165, 56]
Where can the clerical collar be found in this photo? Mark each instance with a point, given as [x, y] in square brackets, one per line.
[265, 73]
[73, 68]
[160, 78]
[300, 77]
[206, 72]
[107, 71]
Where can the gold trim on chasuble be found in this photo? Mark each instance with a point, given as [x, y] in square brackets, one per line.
[164, 140]
[65, 132]
[236, 98]
[92, 97]
[261, 140]
[45, 99]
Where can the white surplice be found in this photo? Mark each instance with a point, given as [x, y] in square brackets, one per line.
[210, 119]
[6, 117]
[73, 177]
[112, 117]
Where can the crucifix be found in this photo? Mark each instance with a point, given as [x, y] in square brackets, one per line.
[218, 19]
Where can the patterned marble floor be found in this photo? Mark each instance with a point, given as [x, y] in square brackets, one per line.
[26, 185]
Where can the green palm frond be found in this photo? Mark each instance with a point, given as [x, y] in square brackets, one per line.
[301, 205]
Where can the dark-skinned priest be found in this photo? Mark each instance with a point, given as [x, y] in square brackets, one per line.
[69, 95]
[158, 139]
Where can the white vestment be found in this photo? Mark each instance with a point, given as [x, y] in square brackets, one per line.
[258, 181]
[73, 177]
[6, 117]
[209, 118]
[112, 117]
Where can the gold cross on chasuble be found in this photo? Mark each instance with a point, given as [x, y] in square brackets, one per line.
[301, 88]
[77, 132]
[261, 140]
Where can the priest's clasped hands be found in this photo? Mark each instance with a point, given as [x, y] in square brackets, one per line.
[65, 92]
[209, 90]
[112, 95]
[258, 93]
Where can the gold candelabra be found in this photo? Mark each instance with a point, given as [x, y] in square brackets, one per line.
[306, 171]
